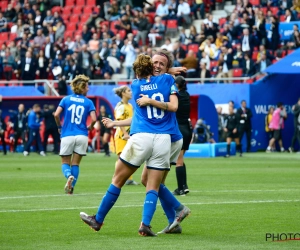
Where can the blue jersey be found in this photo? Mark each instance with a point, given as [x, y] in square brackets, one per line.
[150, 119]
[76, 111]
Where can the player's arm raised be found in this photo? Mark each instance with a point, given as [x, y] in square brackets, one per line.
[171, 106]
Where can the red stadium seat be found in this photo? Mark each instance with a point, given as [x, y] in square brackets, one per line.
[3, 5]
[65, 18]
[71, 26]
[290, 51]
[254, 55]
[74, 19]
[56, 9]
[4, 36]
[113, 24]
[213, 64]
[172, 24]
[77, 10]
[255, 2]
[91, 2]
[70, 3]
[80, 26]
[134, 32]
[194, 47]
[282, 18]
[88, 10]
[151, 16]
[67, 10]
[12, 36]
[123, 83]
[122, 34]
[84, 18]
[68, 33]
[274, 10]
[222, 21]
[184, 46]
[80, 2]
[237, 72]
[264, 10]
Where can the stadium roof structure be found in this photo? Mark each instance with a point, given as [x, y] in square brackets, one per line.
[287, 65]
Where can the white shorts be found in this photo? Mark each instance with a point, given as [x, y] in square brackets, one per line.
[73, 144]
[152, 148]
[175, 151]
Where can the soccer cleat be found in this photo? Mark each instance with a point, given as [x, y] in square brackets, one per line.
[175, 230]
[25, 153]
[71, 191]
[146, 230]
[131, 182]
[42, 153]
[179, 192]
[68, 186]
[291, 150]
[91, 221]
[186, 189]
[180, 216]
[226, 156]
[268, 151]
[241, 155]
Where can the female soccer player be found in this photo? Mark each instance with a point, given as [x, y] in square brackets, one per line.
[74, 132]
[150, 141]
[231, 128]
[186, 129]
[104, 132]
[123, 110]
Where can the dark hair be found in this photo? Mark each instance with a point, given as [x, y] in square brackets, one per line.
[243, 101]
[181, 83]
[279, 104]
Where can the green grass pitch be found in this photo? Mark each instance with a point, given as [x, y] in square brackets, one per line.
[234, 203]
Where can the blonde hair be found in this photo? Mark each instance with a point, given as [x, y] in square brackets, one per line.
[119, 91]
[143, 66]
[79, 84]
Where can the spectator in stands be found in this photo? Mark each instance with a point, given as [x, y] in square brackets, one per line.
[2, 132]
[183, 13]
[62, 86]
[225, 63]
[104, 51]
[182, 35]
[178, 51]
[56, 18]
[263, 63]
[260, 27]
[93, 21]
[50, 128]
[97, 65]
[172, 6]
[34, 123]
[13, 49]
[19, 119]
[168, 44]
[39, 40]
[43, 65]
[262, 50]
[2, 51]
[107, 76]
[18, 28]
[38, 20]
[70, 44]
[51, 33]
[204, 72]
[49, 49]
[70, 72]
[28, 68]
[269, 16]
[162, 10]
[3, 23]
[157, 30]
[8, 64]
[130, 56]
[294, 42]
[60, 30]
[208, 47]
[205, 59]
[10, 13]
[49, 19]
[125, 24]
[219, 40]
[275, 37]
[94, 44]
[193, 36]
[198, 4]
[248, 66]
[86, 34]
[296, 39]
[107, 30]
[247, 41]
[141, 22]
[119, 41]
[295, 8]
[79, 42]
[289, 17]
[85, 61]
[113, 11]
[191, 63]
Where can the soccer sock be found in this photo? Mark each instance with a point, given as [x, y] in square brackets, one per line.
[169, 210]
[228, 149]
[184, 175]
[109, 199]
[180, 176]
[105, 146]
[75, 173]
[149, 206]
[66, 170]
[165, 194]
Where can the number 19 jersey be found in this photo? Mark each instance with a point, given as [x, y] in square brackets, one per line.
[76, 109]
[150, 119]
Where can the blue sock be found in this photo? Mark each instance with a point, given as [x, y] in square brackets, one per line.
[165, 194]
[75, 173]
[66, 170]
[169, 211]
[107, 202]
[149, 206]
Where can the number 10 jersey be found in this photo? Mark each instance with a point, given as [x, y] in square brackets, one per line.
[76, 109]
[150, 119]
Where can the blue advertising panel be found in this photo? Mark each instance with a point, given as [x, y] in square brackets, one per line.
[285, 29]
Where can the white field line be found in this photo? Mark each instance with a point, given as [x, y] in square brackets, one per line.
[126, 206]
[130, 193]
